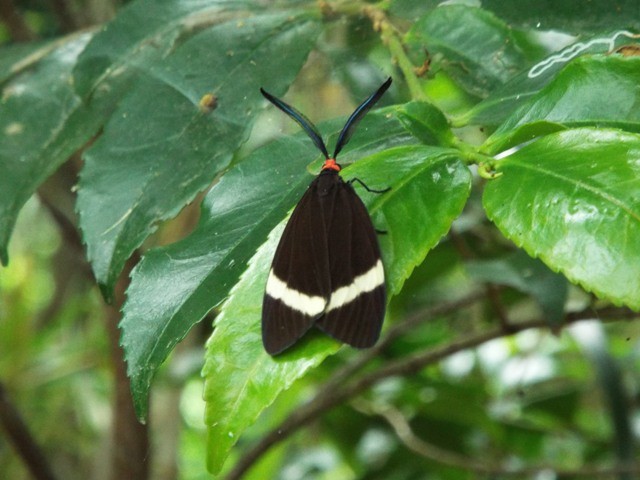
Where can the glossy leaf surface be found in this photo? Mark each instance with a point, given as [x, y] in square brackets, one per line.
[427, 123]
[160, 149]
[568, 16]
[504, 100]
[592, 90]
[42, 122]
[573, 199]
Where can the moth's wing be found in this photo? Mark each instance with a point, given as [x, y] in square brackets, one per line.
[298, 285]
[357, 303]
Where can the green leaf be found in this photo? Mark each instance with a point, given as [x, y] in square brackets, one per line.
[527, 275]
[427, 123]
[573, 199]
[568, 16]
[576, 98]
[241, 379]
[159, 149]
[42, 122]
[143, 34]
[173, 287]
[504, 100]
[429, 188]
[480, 51]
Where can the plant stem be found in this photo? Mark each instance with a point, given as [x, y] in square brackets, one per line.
[392, 38]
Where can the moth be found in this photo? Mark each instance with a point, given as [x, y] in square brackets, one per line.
[327, 271]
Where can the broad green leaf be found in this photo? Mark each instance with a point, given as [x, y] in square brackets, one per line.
[429, 189]
[592, 90]
[480, 51]
[572, 199]
[527, 275]
[42, 122]
[175, 286]
[427, 123]
[241, 379]
[504, 100]
[143, 34]
[159, 149]
[568, 16]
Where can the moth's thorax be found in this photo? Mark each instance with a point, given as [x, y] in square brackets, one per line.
[327, 181]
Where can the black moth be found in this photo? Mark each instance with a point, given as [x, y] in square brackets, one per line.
[326, 270]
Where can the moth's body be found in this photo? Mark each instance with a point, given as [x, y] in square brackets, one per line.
[341, 254]
[326, 271]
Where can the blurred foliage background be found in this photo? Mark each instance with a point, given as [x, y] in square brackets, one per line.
[536, 404]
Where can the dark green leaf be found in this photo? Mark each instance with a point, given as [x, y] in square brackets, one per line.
[143, 34]
[480, 51]
[159, 149]
[196, 274]
[568, 16]
[548, 399]
[504, 100]
[427, 123]
[430, 187]
[573, 199]
[42, 122]
[241, 379]
[592, 90]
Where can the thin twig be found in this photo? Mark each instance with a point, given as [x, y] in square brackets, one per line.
[21, 438]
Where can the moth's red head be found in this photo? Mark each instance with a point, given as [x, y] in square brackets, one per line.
[330, 164]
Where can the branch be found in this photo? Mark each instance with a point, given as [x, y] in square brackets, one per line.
[24, 443]
[130, 456]
[329, 396]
